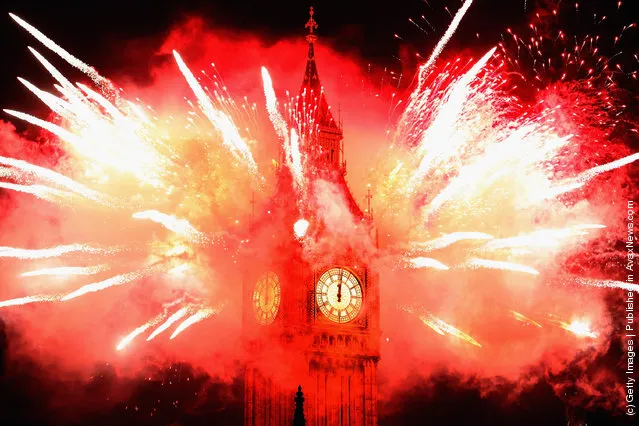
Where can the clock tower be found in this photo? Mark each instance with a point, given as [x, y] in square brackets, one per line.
[310, 298]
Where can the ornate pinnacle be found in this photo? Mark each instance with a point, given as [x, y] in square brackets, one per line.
[312, 26]
[299, 419]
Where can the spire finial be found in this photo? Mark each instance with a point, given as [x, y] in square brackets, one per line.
[312, 26]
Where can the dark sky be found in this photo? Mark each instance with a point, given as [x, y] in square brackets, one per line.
[91, 30]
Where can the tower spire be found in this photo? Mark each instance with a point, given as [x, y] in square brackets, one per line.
[312, 26]
[311, 78]
[323, 136]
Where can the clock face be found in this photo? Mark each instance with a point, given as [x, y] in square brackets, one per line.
[266, 298]
[339, 295]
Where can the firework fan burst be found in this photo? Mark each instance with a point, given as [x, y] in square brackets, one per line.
[504, 175]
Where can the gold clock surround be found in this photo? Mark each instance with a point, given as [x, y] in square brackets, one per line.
[266, 298]
[339, 296]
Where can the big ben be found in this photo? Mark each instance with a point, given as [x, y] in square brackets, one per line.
[310, 297]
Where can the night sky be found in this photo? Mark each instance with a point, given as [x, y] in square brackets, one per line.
[30, 394]
[93, 31]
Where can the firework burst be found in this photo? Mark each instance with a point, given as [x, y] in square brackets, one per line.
[478, 180]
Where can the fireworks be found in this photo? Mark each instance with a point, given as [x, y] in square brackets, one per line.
[524, 319]
[444, 40]
[179, 226]
[504, 266]
[28, 299]
[488, 183]
[290, 139]
[109, 282]
[449, 239]
[132, 335]
[22, 167]
[114, 139]
[300, 227]
[178, 315]
[66, 271]
[197, 314]
[441, 327]
[222, 122]
[579, 328]
[200, 315]
[426, 262]
[57, 251]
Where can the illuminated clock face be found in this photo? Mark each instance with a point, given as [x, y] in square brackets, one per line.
[339, 295]
[266, 298]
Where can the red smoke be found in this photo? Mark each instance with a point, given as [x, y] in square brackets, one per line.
[76, 334]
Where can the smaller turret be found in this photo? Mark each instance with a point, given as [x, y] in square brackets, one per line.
[299, 419]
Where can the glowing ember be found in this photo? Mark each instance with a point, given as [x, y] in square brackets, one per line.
[300, 227]
[579, 329]
[180, 269]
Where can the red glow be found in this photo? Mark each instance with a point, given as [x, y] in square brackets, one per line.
[486, 197]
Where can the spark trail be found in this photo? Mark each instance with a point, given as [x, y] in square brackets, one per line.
[579, 328]
[129, 338]
[223, 123]
[525, 319]
[423, 70]
[66, 271]
[88, 70]
[178, 226]
[49, 175]
[290, 138]
[502, 265]
[28, 299]
[449, 239]
[200, 315]
[57, 251]
[178, 315]
[439, 326]
[116, 280]
[426, 262]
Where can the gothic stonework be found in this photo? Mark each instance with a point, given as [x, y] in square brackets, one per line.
[310, 318]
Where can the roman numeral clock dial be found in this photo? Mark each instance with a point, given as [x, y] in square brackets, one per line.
[266, 298]
[338, 295]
